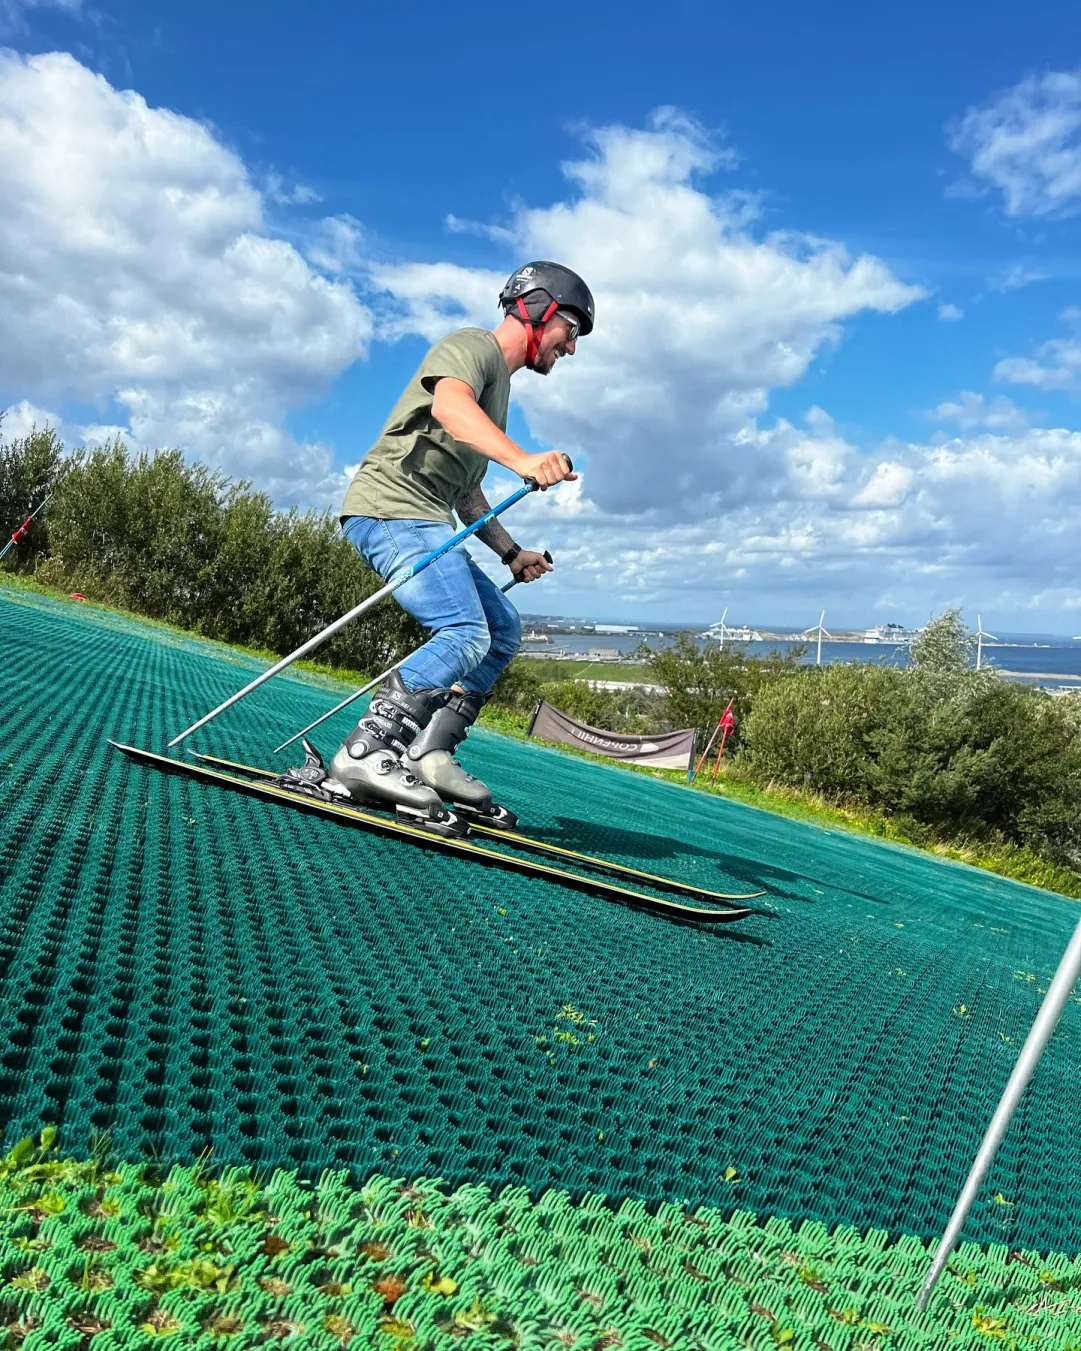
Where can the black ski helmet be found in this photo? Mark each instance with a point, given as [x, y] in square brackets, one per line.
[535, 291]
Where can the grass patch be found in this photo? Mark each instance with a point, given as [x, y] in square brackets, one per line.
[103, 1254]
[546, 669]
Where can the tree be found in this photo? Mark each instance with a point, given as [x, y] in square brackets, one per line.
[700, 681]
[29, 468]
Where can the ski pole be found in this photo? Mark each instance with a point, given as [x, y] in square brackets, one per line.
[530, 486]
[19, 535]
[727, 722]
[1058, 992]
[372, 683]
[693, 774]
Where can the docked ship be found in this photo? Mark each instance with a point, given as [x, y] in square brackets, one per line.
[890, 633]
[722, 632]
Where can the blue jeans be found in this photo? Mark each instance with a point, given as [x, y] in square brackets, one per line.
[475, 629]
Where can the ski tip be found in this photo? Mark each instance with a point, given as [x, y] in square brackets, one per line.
[723, 916]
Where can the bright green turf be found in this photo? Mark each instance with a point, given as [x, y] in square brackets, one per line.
[103, 1256]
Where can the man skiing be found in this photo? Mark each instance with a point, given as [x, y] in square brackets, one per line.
[429, 462]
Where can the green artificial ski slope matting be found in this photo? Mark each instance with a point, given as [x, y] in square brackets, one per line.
[191, 970]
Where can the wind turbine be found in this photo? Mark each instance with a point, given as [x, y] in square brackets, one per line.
[720, 627]
[822, 632]
[980, 636]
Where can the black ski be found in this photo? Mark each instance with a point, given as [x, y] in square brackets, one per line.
[353, 816]
[519, 841]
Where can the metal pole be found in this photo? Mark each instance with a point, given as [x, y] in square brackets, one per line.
[321, 637]
[372, 683]
[1066, 977]
[20, 533]
[692, 775]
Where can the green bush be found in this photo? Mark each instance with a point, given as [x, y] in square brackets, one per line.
[961, 753]
[819, 730]
[181, 543]
[29, 468]
[700, 682]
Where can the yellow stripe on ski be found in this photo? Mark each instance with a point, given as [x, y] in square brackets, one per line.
[463, 848]
[540, 846]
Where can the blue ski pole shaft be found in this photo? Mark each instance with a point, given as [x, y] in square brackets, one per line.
[357, 694]
[321, 637]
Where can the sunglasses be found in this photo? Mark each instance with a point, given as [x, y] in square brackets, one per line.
[573, 323]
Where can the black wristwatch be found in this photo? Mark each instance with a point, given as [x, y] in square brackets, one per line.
[511, 554]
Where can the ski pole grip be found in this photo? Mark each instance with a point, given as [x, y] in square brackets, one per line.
[515, 581]
[534, 485]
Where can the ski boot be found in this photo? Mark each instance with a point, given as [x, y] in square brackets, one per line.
[367, 768]
[431, 759]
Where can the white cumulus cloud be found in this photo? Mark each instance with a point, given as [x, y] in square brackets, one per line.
[949, 314]
[699, 317]
[23, 418]
[1055, 364]
[1026, 142]
[970, 410]
[137, 273]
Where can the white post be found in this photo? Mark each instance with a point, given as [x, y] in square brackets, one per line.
[1066, 977]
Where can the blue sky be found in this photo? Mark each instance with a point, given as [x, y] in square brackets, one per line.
[837, 360]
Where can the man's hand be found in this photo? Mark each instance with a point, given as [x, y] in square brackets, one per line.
[547, 468]
[528, 566]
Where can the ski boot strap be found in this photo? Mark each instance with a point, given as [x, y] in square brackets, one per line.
[394, 717]
[448, 726]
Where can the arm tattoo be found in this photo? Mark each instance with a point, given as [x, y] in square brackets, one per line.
[471, 509]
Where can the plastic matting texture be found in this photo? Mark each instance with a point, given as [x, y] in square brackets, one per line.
[193, 970]
[117, 1261]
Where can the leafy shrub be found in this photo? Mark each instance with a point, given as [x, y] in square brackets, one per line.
[182, 543]
[29, 467]
[699, 682]
[960, 752]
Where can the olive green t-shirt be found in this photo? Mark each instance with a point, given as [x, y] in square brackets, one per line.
[417, 470]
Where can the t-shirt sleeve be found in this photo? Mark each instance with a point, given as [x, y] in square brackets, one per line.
[461, 357]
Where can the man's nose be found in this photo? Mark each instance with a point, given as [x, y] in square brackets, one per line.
[569, 347]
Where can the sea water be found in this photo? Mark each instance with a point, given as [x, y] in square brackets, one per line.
[1037, 659]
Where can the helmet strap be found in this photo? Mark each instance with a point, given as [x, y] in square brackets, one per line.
[533, 330]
